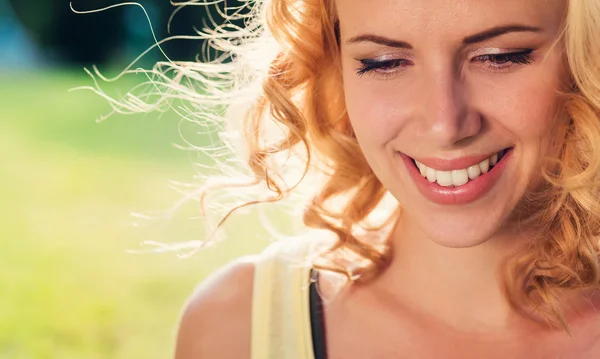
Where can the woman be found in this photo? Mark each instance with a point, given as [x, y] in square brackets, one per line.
[473, 126]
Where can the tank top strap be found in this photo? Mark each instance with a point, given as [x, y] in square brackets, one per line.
[281, 325]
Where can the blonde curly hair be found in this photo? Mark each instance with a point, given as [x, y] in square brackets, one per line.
[282, 94]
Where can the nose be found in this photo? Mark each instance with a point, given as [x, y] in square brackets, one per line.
[449, 117]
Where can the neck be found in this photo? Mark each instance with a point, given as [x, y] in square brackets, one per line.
[459, 287]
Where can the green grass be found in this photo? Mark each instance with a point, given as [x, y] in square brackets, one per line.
[69, 287]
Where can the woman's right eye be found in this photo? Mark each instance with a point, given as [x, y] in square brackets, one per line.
[383, 67]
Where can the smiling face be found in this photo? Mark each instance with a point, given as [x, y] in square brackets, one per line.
[439, 91]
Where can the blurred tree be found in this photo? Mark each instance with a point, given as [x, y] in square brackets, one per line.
[120, 33]
[66, 36]
[17, 49]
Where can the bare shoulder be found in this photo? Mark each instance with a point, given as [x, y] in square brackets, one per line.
[216, 320]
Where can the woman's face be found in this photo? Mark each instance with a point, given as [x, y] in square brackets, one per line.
[453, 104]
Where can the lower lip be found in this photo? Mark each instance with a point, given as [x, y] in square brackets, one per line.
[469, 192]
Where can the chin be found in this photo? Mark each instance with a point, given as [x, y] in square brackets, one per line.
[464, 230]
[456, 240]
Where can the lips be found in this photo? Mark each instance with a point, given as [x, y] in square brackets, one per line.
[460, 176]
[459, 182]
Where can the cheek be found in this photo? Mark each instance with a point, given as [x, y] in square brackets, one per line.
[524, 106]
[520, 106]
[378, 110]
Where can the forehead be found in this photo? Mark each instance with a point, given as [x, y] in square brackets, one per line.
[429, 17]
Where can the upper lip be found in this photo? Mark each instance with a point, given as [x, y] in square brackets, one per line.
[443, 164]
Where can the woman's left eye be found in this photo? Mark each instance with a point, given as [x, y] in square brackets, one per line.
[502, 61]
[381, 67]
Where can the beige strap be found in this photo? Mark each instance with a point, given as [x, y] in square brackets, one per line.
[280, 305]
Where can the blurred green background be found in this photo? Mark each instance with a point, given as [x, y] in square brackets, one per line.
[70, 286]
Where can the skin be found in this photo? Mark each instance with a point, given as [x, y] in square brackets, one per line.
[446, 103]
[440, 297]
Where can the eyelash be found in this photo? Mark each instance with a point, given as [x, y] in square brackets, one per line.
[500, 60]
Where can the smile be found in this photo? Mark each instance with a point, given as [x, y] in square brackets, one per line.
[458, 181]
[461, 176]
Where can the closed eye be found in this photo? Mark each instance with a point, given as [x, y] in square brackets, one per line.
[502, 61]
[380, 66]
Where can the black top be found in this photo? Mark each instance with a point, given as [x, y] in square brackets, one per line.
[317, 321]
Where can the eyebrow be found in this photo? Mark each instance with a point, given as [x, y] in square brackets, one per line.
[497, 31]
[381, 40]
[472, 39]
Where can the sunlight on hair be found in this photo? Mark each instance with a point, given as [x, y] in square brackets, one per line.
[275, 142]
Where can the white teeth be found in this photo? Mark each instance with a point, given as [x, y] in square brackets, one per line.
[485, 165]
[430, 174]
[494, 159]
[458, 177]
[474, 171]
[422, 169]
[444, 178]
